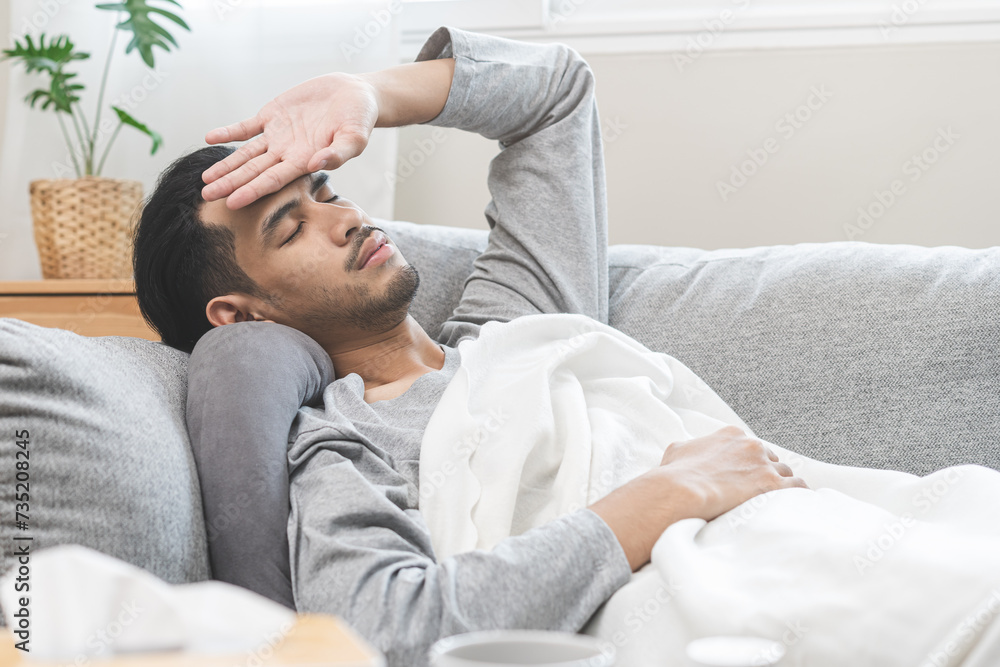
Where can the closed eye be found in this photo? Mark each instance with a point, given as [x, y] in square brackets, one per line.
[294, 234]
[299, 228]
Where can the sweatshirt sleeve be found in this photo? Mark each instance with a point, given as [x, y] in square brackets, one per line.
[547, 249]
[358, 551]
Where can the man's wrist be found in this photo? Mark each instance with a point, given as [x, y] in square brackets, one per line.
[639, 511]
[412, 93]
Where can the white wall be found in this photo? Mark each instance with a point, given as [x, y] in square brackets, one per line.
[4, 76]
[671, 135]
[238, 55]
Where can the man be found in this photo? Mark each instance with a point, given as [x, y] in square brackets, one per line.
[302, 257]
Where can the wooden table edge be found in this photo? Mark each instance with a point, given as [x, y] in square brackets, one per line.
[316, 640]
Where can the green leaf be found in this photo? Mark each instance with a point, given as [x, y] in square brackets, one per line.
[124, 117]
[146, 33]
[49, 58]
[43, 57]
[62, 93]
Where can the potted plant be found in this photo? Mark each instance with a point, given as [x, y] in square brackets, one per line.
[82, 225]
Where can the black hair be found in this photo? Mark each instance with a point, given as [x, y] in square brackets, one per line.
[179, 262]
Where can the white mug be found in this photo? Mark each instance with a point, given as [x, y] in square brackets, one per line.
[515, 648]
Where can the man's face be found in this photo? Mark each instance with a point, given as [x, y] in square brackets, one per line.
[312, 252]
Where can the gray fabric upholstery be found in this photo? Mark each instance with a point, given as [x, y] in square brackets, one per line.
[109, 462]
[879, 356]
[852, 353]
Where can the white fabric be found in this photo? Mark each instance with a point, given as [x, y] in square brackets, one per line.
[548, 413]
[82, 603]
[238, 55]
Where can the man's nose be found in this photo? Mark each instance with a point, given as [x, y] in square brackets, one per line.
[342, 224]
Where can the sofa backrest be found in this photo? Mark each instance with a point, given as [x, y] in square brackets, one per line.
[879, 356]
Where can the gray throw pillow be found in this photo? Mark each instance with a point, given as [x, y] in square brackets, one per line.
[109, 464]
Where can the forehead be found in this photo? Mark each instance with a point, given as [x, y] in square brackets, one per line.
[245, 222]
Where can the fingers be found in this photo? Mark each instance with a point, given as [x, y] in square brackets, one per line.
[229, 183]
[239, 157]
[346, 145]
[241, 131]
[318, 160]
[270, 180]
[783, 469]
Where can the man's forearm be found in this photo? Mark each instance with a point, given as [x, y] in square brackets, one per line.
[638, 512]
[412, 93]
[696, 479]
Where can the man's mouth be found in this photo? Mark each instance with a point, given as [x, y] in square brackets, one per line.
[372, 247]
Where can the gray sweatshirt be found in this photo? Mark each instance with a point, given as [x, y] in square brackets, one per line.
[357, 545]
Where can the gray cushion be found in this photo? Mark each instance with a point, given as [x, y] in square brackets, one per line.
[109, 461]
[871, 355]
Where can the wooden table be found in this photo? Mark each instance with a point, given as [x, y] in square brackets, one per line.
[88, 307]
[315, 640]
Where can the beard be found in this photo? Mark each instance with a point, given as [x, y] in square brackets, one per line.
[362, 307]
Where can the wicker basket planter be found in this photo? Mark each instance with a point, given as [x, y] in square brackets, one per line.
[83, 226]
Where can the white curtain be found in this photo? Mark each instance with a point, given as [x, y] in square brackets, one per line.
[238, 55]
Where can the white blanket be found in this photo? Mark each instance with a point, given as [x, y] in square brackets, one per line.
[549, 413]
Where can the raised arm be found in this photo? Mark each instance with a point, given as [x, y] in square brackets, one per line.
[321, 124]
[548, 241]
[547, 250]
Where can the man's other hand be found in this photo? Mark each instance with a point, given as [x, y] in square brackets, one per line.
[724, 469]
[319, 124]
[700, 478]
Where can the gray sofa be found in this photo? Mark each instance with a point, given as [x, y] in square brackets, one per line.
[854, 353]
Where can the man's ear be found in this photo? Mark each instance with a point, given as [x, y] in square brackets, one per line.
[233, 308]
